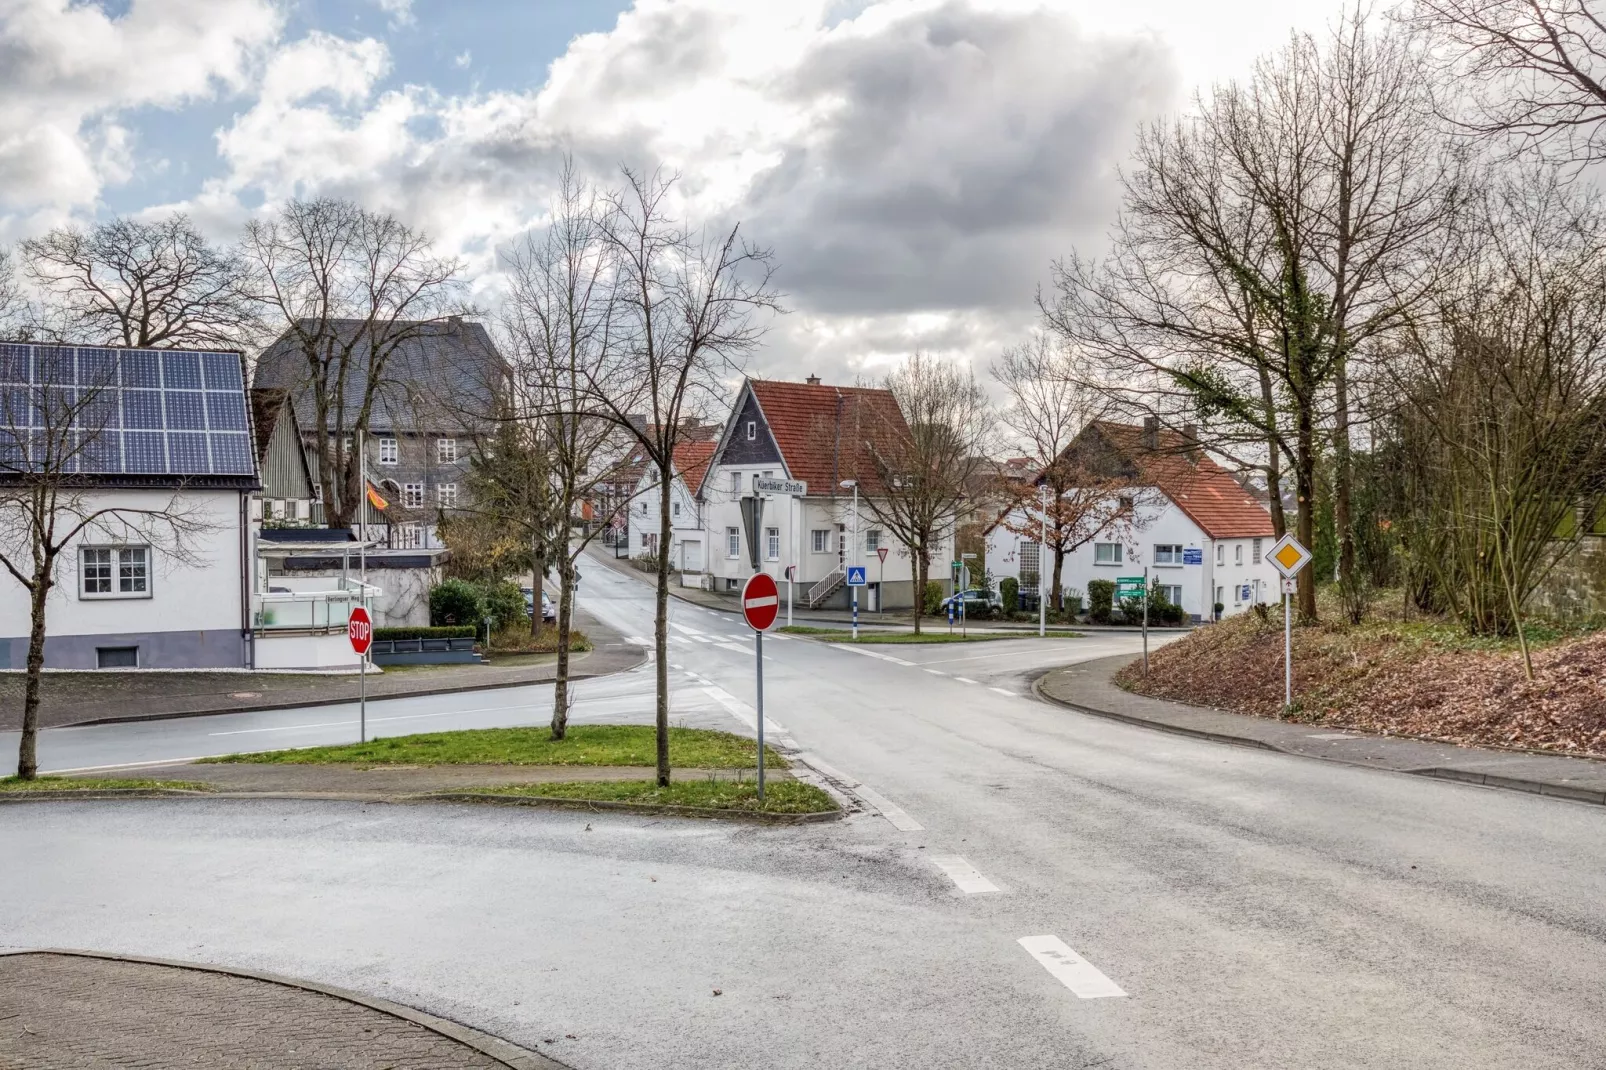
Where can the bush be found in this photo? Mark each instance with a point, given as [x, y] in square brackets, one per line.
[1009, 591]
[933, 597]
[504, 603]
[454, 631]
[456, 602]
[1100, 600]
[1073, 601]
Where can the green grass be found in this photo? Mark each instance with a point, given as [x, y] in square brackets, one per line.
[689, 748]
[62, 783]
[780, 796]
[843, 635]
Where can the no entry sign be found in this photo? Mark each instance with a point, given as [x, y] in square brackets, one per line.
[761, 602]
[360, 630]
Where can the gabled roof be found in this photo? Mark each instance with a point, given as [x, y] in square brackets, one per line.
[826, 433]
[1206, 492]
[269, 407]
[691, 461]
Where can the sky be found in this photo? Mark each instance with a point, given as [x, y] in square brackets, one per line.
[915, 165]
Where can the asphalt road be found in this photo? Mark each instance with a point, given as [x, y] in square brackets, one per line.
[1027, 887]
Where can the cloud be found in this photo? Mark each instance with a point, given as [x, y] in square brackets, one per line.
[69, 71]
[400, 11]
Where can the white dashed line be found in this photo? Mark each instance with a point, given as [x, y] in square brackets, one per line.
[936, 672]
[889, 810]
[1069, 968]
[1004, 691]
[964, 679]
[963, 874]
[869, 653]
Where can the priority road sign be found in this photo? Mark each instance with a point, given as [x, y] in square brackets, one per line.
[856, 576]
[360, 630]
[761, 602]
[1288, 556]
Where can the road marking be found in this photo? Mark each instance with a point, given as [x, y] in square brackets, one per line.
[1069, 968]
[691, 674]
[371, 720]
[124, 765]
[936, 672]
[963, 874]
[742, 711]
[679, 639]
[889, 810]
[964, 679]
[683, 628]
[1004, 691]
[673, 666]
[869, 653]
[636, 640]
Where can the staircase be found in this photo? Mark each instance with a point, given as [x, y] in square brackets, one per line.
[827, 587]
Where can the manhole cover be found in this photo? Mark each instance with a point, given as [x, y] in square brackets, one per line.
[245, 694]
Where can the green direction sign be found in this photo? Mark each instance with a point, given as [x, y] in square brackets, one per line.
[1129, 587]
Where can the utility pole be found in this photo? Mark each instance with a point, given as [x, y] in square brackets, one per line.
[1042, 587]
[853, 552]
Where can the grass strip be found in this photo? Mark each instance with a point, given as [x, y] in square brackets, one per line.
[583, 745]
[843, 635]
[63, 783]
[780, 796]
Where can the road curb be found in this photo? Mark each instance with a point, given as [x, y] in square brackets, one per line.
[493, 1047]
[1464, 776]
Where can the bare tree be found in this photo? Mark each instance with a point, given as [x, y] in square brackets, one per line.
[685, 313]
[921, 468]
[133, 283]
[349, 288]
[11, 299]
[54, 436]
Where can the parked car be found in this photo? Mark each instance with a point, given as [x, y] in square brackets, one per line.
[549, 611]
[976, 602]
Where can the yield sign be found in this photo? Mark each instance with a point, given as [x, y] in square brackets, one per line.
[1288, 556]
[761, 602]
[881, 552]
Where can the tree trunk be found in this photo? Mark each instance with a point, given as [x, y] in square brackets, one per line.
[560, 687]
[922, 570]
[661, 627]
[1059, 568]
[27, 751]
[539, 560]
[1343, 468]
[1305, 484]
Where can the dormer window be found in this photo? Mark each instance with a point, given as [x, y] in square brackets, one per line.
[752, 430]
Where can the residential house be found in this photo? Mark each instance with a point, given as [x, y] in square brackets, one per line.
[1200, 533]
[438, 388]
[687, 541]
[289, 492]
[820, 435]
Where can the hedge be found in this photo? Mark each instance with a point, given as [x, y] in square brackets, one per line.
[453, 631]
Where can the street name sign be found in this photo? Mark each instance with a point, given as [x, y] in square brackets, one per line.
[761, 602]
[360, 630]
[1288, 556]
[1129, 586]
[856, 576]
[797, 488]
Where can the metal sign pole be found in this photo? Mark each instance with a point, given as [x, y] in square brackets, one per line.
[1042, 588]
[1288, 650]
[1145, 620]
[853, 559]
[362, 698]
[758, 659]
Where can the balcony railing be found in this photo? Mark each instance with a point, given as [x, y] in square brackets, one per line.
[311, 610]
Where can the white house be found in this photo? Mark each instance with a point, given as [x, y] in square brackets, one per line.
[1202, 536]
[818, 435]
[687, 550]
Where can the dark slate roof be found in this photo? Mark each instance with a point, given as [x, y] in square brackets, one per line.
[437, 379]
[266, 406]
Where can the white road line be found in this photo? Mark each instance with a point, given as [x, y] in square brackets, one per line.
[674, 666]
[1004, 691]
[701, 639]
[679, 639]
[742, 711]
[964, 679]
[691, 674]
[936, 672]
[636, 640]
[869, 653]
[125, 765]
[827, 771]
[1069, 968]
[963, 874]
[889, 810]
[683, 628]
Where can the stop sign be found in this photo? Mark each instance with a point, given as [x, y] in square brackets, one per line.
[360, 630]
[761, 602]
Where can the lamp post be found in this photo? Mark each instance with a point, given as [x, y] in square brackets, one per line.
[853, 553]
[1042, 588]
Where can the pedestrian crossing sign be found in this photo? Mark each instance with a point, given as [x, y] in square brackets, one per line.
[856, 576]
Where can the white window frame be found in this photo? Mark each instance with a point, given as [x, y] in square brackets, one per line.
[674, 508]
[115, 579]
[820, 540]
[412, 495]
[736, 482]
[410, 536]
[446, 451]
[1166, 588]
[1167, 554]
[772, 544]
[446, 495]
[1116, 552]
[389, 451]
[1256, 554]
[1221, 556]
[733, 542]
[752, 430]
[1238, 553]
[872, 539]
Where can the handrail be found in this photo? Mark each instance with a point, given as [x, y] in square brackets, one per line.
[833, 579]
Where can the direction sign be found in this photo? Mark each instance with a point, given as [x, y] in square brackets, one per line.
[856, 576]
[1129, 587]
[796, 488]
[881, 552]
[360, 630]
[761, 602]
[1288, 556]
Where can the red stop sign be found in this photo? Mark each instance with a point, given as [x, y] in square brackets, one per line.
[360, 630]
[761, 602]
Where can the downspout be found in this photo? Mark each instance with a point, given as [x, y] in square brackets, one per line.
[247, 570]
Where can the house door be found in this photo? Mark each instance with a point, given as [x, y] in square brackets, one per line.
[692, 555]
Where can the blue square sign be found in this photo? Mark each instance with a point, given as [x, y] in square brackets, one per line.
[856, 576]
[1192, 556]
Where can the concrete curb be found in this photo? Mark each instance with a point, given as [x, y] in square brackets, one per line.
[1465, 776]
[493, 1047]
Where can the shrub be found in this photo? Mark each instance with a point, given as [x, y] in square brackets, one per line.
[933, 597]
[456, 602]
[1009, 591]
[454, 631]
[1100, 600]
[504, 603]
[1073, 601]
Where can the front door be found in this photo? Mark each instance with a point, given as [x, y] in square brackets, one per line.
[842, 545]
[692, 552]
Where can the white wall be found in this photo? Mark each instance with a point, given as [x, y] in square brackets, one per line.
[304, 651]
[685, 526]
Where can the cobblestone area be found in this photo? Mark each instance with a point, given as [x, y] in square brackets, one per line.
[62, 1011]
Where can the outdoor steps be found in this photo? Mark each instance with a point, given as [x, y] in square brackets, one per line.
[827, 587]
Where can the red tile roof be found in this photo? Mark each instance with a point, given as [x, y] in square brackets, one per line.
[826, 433]
[691, 461]
[1200, 487]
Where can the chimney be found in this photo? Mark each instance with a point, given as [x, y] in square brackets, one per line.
[1151, 432]
[454, 325]
[1190, 436]
[813, 380]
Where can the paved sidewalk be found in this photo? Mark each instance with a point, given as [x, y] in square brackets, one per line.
[1089, 688]
[75, 1011]
[98, 698]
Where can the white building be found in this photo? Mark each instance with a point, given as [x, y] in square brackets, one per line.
[1202, 536]
[688, 544]
[818, 435]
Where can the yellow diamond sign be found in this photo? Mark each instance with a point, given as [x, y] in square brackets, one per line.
[1288, 556]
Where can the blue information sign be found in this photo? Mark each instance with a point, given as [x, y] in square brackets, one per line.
[856, 576]
[1193, 556]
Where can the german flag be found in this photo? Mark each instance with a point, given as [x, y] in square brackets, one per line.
[375, 500]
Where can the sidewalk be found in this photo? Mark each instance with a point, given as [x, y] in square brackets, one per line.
[104, 698]
[1089, 688]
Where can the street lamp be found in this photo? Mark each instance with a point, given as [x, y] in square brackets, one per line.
[1042, 588]
[853, 554]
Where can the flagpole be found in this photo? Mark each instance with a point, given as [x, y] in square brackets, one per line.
[362, 514]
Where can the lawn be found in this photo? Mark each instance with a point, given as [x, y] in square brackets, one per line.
[780, 796]
[843, 635]
[62, 783]
[689, 748]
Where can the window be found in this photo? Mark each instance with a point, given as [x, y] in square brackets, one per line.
[117, 657]
[769, 475]
[1030, 554]
[736, 482]
[1107, 553]
[413, 495]
[674, 507]
[387, 451]
[410, 536]
[752, 430]
[446, 451]
[1257, 551]
[1238, 554]
[872, 540]
[114, 572]
[733, 542]
[820, 540]
[772, 548]
[446, 493]
[1171, 593]
[1221, 559]
[641, 507]
[1167, 553]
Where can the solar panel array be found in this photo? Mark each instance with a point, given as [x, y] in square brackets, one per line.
[106, 411]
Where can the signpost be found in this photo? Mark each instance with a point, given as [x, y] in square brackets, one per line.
[360, 630]
[881, 591]
[1288, 557]
[793, 488]
[1137, 587]
[761, 604]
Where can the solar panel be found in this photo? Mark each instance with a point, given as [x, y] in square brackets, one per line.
[144, 452]
[181, 371]
[186, 411]
[225, 412]
[222, 371]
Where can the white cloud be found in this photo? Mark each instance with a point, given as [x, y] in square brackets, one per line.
[400, 11]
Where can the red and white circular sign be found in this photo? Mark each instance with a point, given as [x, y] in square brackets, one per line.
[761, 602]
[360, 630]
